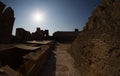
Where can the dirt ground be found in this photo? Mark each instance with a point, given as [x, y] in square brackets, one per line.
[60, 63]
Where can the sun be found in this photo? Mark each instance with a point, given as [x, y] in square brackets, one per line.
[38, 16]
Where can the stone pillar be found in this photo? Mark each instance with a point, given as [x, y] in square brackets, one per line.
[6, 23]
[2, 6]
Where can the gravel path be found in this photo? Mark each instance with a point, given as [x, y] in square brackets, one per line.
[60, 63]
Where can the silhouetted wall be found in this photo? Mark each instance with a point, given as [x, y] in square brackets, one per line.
[65, 36]
[23, 35]
[6, 23]
[40, 34]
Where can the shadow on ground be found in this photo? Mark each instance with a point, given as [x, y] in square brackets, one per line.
[50, 66]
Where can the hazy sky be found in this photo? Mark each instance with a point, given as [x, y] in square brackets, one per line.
[59, 15]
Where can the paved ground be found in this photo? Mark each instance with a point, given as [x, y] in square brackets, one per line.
[60, 63]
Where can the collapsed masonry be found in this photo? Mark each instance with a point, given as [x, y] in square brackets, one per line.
[96, 49]
[24, 59]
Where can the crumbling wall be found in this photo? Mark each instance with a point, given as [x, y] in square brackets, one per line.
[33, 64]
[6, 23]
[96, 49]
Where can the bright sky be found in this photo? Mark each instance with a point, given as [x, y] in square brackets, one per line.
[55, 15]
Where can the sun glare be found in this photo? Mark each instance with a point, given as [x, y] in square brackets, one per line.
[38, 17]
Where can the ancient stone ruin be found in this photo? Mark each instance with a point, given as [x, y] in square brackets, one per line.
[38, 35]
[66, 36]
[23, 35]
[96, 49]
[6, 23]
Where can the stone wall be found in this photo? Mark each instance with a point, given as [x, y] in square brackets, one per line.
[96, 49]
[34, 64]
[23, 61]
[6, 23]
[65, 36]
[40, 34]
[23, 35]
